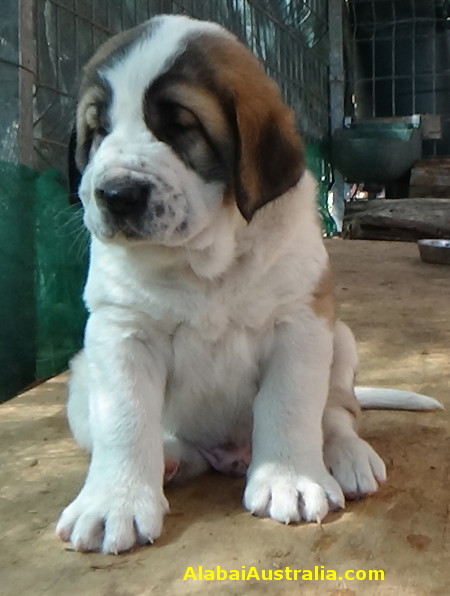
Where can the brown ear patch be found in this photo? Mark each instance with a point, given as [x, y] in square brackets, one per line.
[91, 120]
[322, 302]
[278, 163]
[271, 156]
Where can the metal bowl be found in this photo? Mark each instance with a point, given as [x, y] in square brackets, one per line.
[435, 251]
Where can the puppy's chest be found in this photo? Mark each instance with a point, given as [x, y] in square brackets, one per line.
[212, 383]
[219, 344]
[235, 352]
[214, 313]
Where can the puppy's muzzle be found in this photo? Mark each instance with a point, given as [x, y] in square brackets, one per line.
[124, 198]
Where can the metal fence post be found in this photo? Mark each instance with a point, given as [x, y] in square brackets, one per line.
[337, 93]
[27, 72]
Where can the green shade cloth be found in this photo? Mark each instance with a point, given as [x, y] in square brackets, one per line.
[43, 262]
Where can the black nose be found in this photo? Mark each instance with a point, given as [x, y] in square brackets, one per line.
[124, 199]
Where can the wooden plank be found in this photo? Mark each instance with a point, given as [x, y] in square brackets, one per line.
[430, 178]
[397, 219]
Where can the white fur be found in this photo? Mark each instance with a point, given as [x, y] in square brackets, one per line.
[371, 398]
[199, 340]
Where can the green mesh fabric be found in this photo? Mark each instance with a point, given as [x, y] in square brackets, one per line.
[17, 292]
[43, 260]
[318, 163]
[61, 263]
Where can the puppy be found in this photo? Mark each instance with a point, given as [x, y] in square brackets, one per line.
[212, 340]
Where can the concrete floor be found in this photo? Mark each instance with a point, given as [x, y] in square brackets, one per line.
[399, 309]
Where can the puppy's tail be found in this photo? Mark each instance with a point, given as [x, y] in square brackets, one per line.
[378, 398]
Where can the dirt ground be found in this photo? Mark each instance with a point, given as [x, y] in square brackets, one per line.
[399, 309]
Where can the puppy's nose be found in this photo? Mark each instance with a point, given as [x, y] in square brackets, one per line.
[124, 199]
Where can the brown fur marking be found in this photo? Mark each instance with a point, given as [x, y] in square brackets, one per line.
[323, 297]
[272, 158]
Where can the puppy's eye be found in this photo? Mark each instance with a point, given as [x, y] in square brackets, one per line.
[184, 117]
[177, 119]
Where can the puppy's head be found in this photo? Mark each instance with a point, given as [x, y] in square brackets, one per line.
[177, 121]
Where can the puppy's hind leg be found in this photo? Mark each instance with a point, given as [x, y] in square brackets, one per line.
[78, 401]
[351, 460]
[182, 460]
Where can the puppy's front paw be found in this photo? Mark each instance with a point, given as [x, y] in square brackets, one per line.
[355, 465]
[289, 496]
[112, 519]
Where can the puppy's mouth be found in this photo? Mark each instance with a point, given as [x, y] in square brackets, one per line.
[119, 231]
[136, 209]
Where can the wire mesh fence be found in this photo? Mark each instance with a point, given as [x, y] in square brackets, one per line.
[289, 36]
[400, 61]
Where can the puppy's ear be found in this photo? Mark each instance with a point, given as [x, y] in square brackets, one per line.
[81, 139]
[74, 174]
[271, 159]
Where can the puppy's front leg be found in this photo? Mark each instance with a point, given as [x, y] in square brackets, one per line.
[287, 478]
[122, 501]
